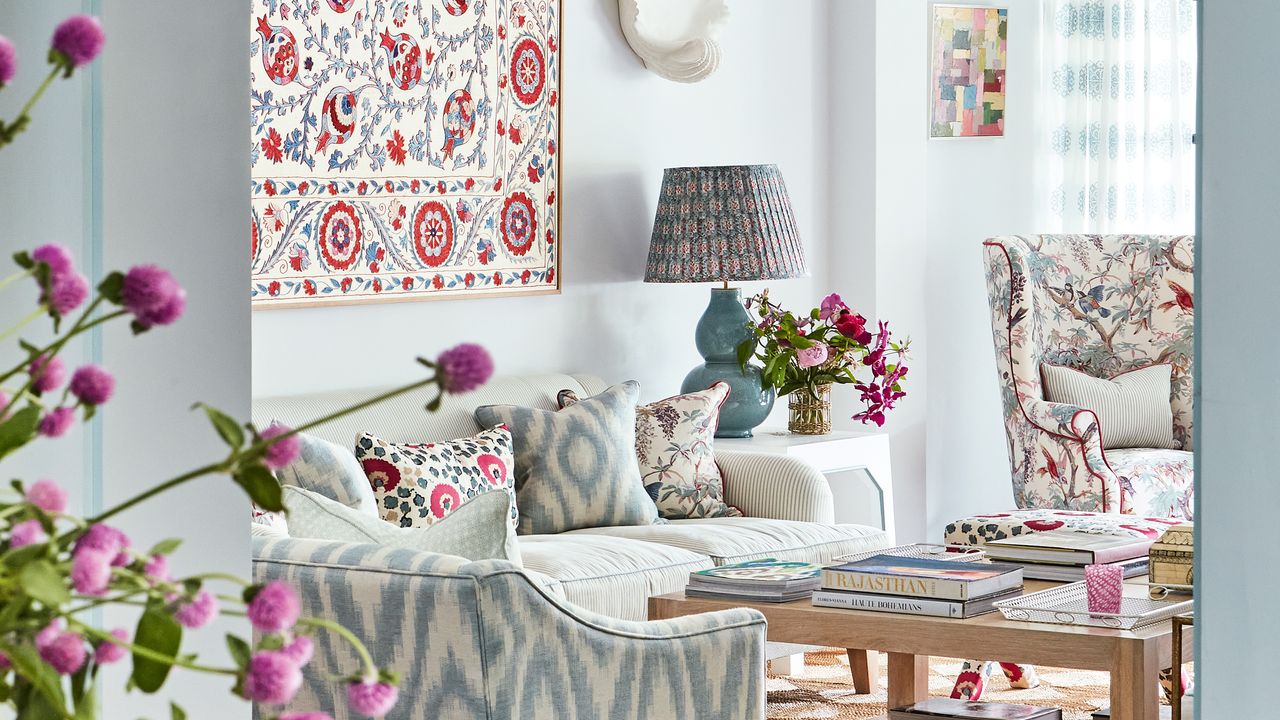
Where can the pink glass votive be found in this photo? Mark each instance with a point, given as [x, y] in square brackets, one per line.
[1105, 586]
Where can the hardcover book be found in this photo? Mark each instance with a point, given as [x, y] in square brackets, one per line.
[922, 577]
[967, 710]
[910, 605]
[1068, 547]
[1075, 573]
[765, 573]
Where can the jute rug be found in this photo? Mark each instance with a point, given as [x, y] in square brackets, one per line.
[825, 690]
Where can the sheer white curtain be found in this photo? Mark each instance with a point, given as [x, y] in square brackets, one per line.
[1118, 107]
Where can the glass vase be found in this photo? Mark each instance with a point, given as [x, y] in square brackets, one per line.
[810, 415]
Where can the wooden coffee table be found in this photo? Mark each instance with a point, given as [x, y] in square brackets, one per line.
[1133, 658]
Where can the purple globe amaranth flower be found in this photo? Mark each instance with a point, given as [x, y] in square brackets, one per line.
[48, 496]
[64, 651]
[57, 422]
[103, 538]
[27, 532]
[5, 662]
[300, 650]
[56, 255]
[166, 314]
[91, 571]
[464, 368]
[108, 652]
[8, 61]
[47, 373]
[305, 716]
[274, 608]
[282, 452]
[157, 569]
[201, 611]
[271, 678]
[152, 295]
[67, 291]
[79, 39]
[372, 698]
[92, 384]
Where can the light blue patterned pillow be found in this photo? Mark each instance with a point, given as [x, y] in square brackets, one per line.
[477, 530]
[331, 470]
[576, 468]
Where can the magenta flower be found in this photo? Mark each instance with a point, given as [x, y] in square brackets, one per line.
[305, 716]
[5, 662]
[105, 539]
[166, 314]
[91, 571]
[271, 678]
[79, 39]
[108, 652]
[274, 608]
[57, 256]
[831, 305]
[57, 422]
[8, 61]
[372, 698]
[201, 611]
[67, 291]
[300, 650]
[27, 532]
[48, 496]
[464, 368]
[4, 405]
[92, 384]
[282, 452]
[812, 356]
[47, 373]
[157, 569]
[152, 295]
[63, 650]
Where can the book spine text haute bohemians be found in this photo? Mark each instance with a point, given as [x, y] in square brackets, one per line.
[892, 585]
[880, 603]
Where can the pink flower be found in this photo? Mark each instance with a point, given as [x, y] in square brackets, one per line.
[853, 326]
[152, 295]
[67, 291]
[91, 571]
[108, 652]
[4, 405]
[831, 305]
[300, 650]
[103, 538]
[27, 532]
[57, 422]
[372, 698]
[274, 608]
[812, 356]
[8, 61]
[166, 314]
[271, 678]
[157, 569]
[48, 496]
[63, 650]
[305, 716]
[57, 256]
[79, 38]
[92, 384]
[281, 452]
[464, 368]
[201, 611]
[5, 662]
[47, 373]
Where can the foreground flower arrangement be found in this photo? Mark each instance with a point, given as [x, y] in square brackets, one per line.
[825, 346]
[57, 567]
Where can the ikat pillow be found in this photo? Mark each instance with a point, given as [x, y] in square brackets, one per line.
[1134, 408]
[331, 470]
[674, 450]
[576, 468]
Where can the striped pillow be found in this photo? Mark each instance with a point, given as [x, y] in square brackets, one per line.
[1133, 408]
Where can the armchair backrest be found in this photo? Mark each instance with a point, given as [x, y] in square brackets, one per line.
[1102, 304]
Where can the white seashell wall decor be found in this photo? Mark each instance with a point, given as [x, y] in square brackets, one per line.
[675, 38]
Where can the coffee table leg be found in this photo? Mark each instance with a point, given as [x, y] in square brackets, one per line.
[864, 664]
[908, 679]
[1134, 690]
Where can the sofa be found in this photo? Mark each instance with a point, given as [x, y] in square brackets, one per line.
[564, 635]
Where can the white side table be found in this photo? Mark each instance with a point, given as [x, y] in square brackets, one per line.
[856, 464]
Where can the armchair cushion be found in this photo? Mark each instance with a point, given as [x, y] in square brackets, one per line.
[1132, 407]
[1156, 482]
[981, 529]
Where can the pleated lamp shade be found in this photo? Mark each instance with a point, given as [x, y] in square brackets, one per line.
[726, 223]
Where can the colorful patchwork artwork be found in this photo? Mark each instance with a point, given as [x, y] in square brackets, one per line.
[404, 149]
[969, 58]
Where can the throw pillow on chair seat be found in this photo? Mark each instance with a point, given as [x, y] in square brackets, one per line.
[1133, 407]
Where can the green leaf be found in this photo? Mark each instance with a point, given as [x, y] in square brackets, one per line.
[434, 405]
[240, 650]
[16, 558]
[746, 349]
[261, 486]
[159, 632]
[228, 429]
[41, 580]
[138, 328]
[87, 705]
[89, 412]
[176, 712]
[24, 260]
[19, 429]
[165, 547]
[43, 678]
[111, 286]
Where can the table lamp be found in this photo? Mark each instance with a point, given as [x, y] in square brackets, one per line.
[730, 223]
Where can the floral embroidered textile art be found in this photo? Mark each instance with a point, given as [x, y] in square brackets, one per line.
[404, 149]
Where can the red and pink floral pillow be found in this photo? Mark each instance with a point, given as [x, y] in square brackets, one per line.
[416, 485]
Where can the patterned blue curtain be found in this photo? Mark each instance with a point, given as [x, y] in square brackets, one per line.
[1119, 108]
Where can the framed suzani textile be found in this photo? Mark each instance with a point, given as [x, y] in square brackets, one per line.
[404, 149]
[969, 56]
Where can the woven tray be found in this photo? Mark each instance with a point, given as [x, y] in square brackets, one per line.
[958, 553]
[1069, 605]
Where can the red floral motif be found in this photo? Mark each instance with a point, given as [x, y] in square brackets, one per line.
[272, 146]
[274, 288]
[346, 284]
[432, 233]
[253, 238]
[469, 279]
[444, 500]
[528, 71]
[437, 282]
[382, 474]
[308, 287]
[407, 283]
[377, 285]
[1043, 525]
[535, 174]
[340, 236]
[519, 223]
[404, 59]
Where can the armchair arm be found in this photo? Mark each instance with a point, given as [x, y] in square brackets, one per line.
[775, 486]
[1062, 461]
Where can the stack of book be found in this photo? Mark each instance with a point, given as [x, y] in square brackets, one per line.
[918, 586]
[1061, 555]
[766, 580]
[966, 710]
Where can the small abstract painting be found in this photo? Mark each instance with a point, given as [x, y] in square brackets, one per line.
[969, 58]
[404, 149]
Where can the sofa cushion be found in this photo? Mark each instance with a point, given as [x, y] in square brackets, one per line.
[576, 468]
[331, 470]
[608, 575]
[730, 540]
[981, 529]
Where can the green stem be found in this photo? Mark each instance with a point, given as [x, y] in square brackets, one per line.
[35, 97]
[370, 667]
[6, 282]
[79, 327]
[358, 407]
[24, 322]
[149, 653]
[221, 466]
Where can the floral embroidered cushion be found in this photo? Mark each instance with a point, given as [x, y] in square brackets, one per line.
[331, 470]
[416, 485]
[1133, 407]
[674, 449]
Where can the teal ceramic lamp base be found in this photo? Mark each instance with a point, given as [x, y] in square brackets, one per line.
[722, 328]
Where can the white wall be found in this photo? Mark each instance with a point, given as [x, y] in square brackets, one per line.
[1237, 340]
[622, 126]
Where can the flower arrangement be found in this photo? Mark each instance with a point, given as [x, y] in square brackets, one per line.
[57, 567]
[825, 346]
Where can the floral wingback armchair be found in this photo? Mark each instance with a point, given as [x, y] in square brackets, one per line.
[1103, 305]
